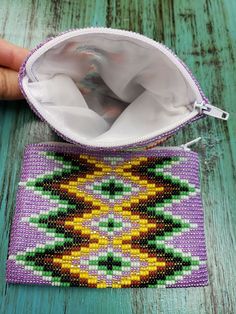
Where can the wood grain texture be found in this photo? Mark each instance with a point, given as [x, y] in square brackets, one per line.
[203, 34]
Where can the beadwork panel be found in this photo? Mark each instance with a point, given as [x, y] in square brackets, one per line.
[128, 219]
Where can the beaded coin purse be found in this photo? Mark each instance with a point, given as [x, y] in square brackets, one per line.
[106, 211]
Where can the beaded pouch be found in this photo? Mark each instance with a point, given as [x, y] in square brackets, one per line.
[109, 88]
[108, 219]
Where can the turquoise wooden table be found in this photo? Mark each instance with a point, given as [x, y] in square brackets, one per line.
[203, 34]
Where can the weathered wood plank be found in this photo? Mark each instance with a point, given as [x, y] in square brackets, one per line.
[203, 35]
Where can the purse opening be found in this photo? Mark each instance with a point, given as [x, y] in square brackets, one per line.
[109, 88]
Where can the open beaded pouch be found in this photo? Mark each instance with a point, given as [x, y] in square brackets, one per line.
[109, 211]
[102, 219]
[110, 88]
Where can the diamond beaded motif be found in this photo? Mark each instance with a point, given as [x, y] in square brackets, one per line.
[127, 219]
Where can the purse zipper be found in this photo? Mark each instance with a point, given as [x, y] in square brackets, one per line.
[186, 145]
[181, 147]
[211, 110]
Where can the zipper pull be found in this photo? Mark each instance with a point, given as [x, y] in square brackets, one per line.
[210, 110]
[186, 145]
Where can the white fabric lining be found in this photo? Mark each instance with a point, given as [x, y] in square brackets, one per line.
[103, 88]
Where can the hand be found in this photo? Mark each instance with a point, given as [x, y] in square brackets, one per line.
[11, 58]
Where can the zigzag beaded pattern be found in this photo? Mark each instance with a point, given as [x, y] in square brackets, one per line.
[110, 222]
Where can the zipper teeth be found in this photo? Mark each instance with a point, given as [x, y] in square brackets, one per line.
[141, 140]
[122, 32]
[61, 144]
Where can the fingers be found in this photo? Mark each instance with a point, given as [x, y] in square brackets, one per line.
[11, 56]
[9, 88]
